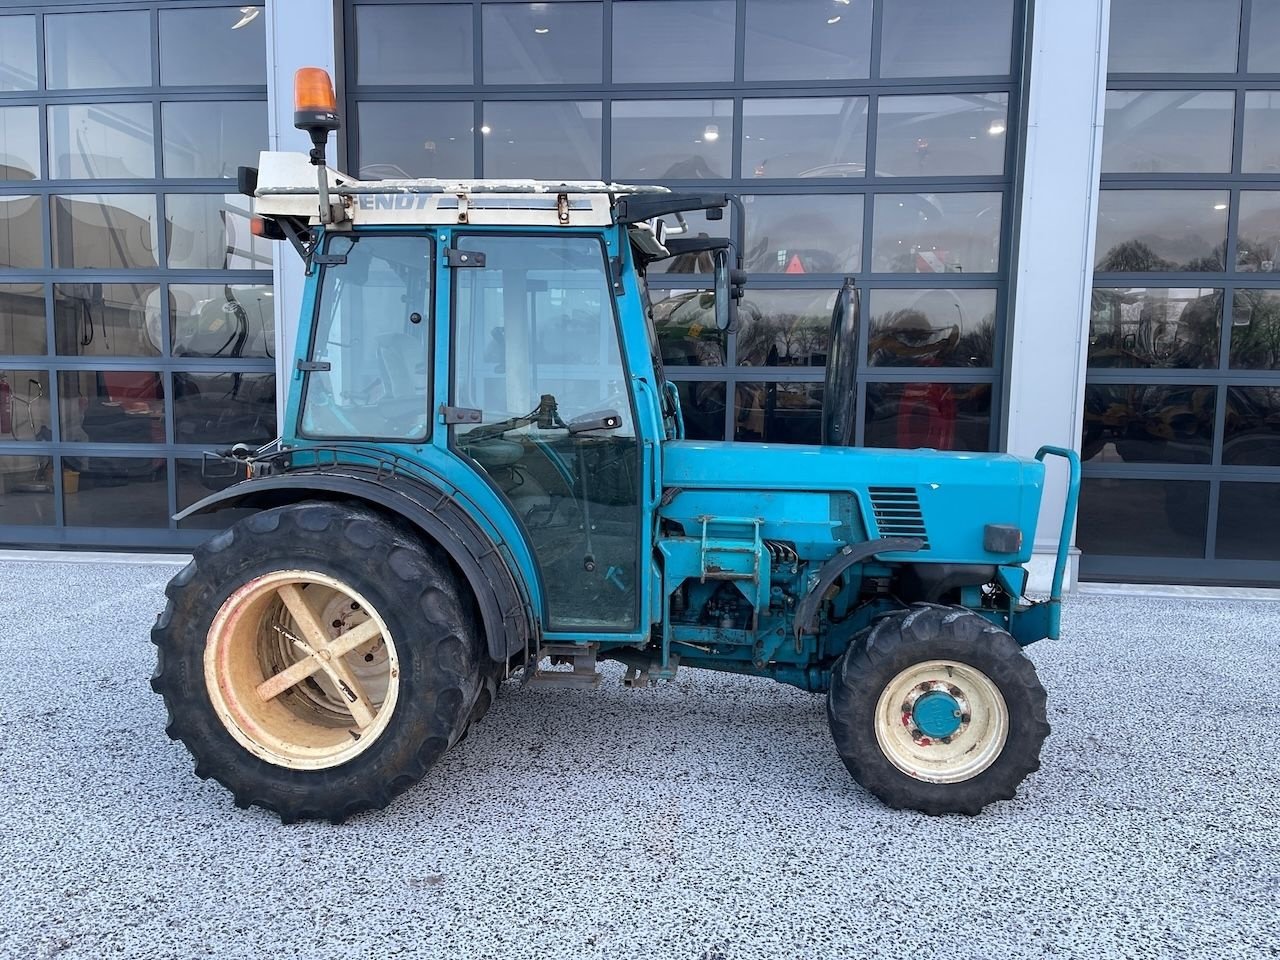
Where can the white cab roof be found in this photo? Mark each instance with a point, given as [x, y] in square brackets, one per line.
[288, 186]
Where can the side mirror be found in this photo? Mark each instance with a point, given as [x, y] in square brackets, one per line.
[725, 290]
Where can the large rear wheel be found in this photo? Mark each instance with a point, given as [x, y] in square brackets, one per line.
[937, 709]
[316, 660]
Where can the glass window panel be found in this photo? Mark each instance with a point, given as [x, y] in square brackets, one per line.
[551, 139]
[94, 141]
[212, 233]
[1174, 36]
[413, 44]
[1155, 327]
[1252, 434]
[936, 233]
[804, 137]
[1148, 423]
[107, 319]
[111, 406]
[213, 46]
[224, 407]
[1258, 245]
[941, 416]
[1161, 230]
[803, 234]
[778, 412]
[941, 136]
[808, 39]
[672, 139]
[22, 319]
[1261, 149]
[222, 320]
[20, 143]
[96, 50]
[543, 43]
[698, 225]
[1255, 329]
[17, 53]
[21, 233]
[1264, 37]
[702, 406]
[26, 491]
[785, 328]
[1168, 131]
[1248, 516]
[934, 327]
[107, 231]
[673, 41]
[24, 406]
[196, 480]
[401, 140]
[685, 322]
[940, 38]
[1136, 518]
[115, 491]
[375, 380]
[209, 139]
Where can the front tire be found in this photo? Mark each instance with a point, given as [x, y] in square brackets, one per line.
[937, 709]
[316, 660]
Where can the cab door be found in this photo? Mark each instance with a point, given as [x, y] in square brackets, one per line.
[541, 406]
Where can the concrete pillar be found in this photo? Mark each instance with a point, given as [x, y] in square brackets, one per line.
[300, 33]
[1053, 275]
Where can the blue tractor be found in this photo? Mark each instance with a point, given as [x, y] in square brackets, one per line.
[483, 470]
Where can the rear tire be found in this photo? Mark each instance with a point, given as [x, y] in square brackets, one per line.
[273, 712]
[937, 709]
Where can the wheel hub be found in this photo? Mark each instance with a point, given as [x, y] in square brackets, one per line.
[937, 714]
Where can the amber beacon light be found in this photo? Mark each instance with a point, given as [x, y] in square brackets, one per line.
[315, 108]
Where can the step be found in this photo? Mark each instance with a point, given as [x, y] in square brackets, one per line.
[582, 659]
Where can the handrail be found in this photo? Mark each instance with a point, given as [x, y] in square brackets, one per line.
[1068, 512]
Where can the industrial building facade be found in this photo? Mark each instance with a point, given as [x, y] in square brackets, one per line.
[1064, 220]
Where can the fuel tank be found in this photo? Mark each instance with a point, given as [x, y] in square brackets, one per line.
[966, 507]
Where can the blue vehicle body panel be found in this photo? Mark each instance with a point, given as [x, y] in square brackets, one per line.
[958, 494]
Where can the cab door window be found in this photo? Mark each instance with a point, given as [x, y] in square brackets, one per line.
[537, 355]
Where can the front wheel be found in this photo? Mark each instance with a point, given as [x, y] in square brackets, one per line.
[316, 660]
[937, 709]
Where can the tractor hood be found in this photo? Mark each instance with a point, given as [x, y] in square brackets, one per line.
[948, 498]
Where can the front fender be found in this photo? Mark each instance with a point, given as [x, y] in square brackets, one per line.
[501, 594]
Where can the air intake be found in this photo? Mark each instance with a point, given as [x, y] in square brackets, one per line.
[897, 513]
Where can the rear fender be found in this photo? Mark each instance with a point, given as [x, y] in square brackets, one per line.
[501, 594]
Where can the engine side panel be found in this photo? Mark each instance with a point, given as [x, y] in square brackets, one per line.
[949, 499]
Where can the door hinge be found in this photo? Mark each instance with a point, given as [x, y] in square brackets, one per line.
[460, 414]
[454, 257]
[315, 366]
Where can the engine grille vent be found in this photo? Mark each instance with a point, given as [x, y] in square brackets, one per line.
[897, 513]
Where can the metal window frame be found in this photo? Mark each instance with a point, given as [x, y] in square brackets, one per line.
[737, 90]
[169, 535]
[1209, 568]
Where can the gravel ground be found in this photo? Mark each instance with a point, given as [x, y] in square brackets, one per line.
[706, 819]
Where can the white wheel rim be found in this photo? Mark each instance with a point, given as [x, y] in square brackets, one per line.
[301, 670]
[983, 724]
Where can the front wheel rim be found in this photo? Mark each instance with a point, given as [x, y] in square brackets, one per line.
[958, 704]
[301, 669]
